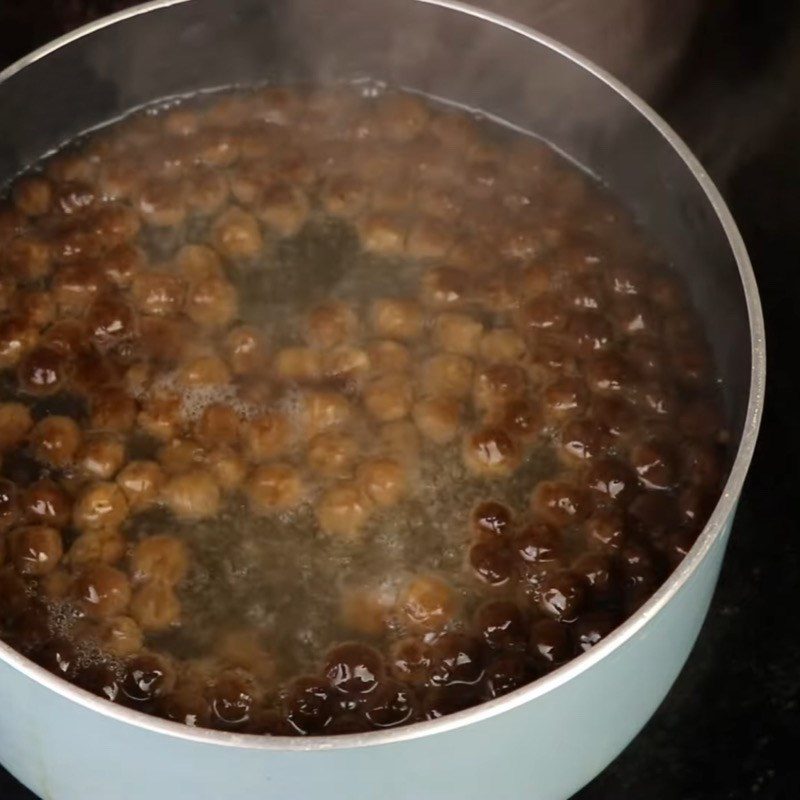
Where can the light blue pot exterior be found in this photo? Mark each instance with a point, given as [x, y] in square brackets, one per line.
[546, 740]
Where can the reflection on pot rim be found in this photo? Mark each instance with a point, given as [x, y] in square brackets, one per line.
[711, 534]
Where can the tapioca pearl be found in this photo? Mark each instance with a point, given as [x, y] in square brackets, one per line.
[158, 293]
[609, 374]
[676, 545]
[59, 657]
[521, 418]
[439, 701]
[100, 505]
[332, 454]
[17, 337]
[427, 603]
[429, 237]
[456, 659]
[297, 365]
[625, 279]
[616, 415]
[702, 418]
[457, 333]
[587, 333]
[33, 195]
[605, 530]
[103, 546]
[703, 464]
[331, 323]
[591, 628]
[491, 561]
[282, 206]
[29, 257]
[502, 346]
[656, 399]
[446, 375]
[349, 365]
[212, 303]
[491, 452]
[445, 288]
[192, 495]
[542, 314]
[597, 572]
[395, 704]
[560, 503]
[274, 487]
[244, 648]
[635, 317]
[366, 610]
[383, 480]
[638, 570]
[101, 680]
[562, 595]
[655, 464]
[409, 660]
[10, 504]
[497, 385]
[565, 397]
[148, 678]
[102, 591]
[652, 512]
[438, 419]
[539, 543]
[43, 371]
[35, 549]
[267, 436]
[234, 697]
[322, 411]
[55, 440]
[550, 643]
[244, 350]
[582, 440]
[501, 625]
[506, 673]
[491, 518]
[309, 705]
[389, 397]
[396, 318]
[44, 502]
[382, 232]
[612, 480]
[343, 511]
[236, 235]
[160, 557]
[496, 292]
[648, 358]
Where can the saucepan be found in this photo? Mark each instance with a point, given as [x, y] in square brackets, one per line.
[546, 739]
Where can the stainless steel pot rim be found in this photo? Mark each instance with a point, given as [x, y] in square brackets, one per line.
[618, 638]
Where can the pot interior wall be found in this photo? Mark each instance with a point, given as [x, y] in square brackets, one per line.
[196, 45]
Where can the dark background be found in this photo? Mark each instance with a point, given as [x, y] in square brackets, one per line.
[730, 726]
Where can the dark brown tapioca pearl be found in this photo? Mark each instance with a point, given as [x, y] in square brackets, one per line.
[101, 680]
[565, 397]
[612, 481]
[439, 701]
[496, 292]
[148, 678]
[691, 365]
[28, 258]
[609, 374]
[67, 336]
[542, 314]
[309, 706]
[560, 503]
[616, 415]
[506, 673]
[585, 292]
[102, 591]
[354, 670]
[14, 595]
[410, 660]
[10, 505]
[233, 698]
[667, 292]
[695, 505]
[455, 659]
[490, 519]
[634, 316]
[491, 562]
[491, 452]
[501, 625]
[35, 550]
[76, 285]
[112, 409]
[591, 628]
[702, 419]
[17, 337]
[596, 571]
[33, 195]
[346, 721]
[582, 440]
[648, 358]
[188, 706]
[637, 566]
[605, 530]
[31, 630]
[562, 595]
[548, 358]
[587, 333]
[626, 279]
[395, 704]
[549, 644]
[498, 385]
[109, 321]
[654, 511]
[59, 657]
[43, 371]
[522, 419]
[92, 371]
[703, 464]
[538, 543]
[44, 502]
[36, 307]
[656, 399]
[655, 464]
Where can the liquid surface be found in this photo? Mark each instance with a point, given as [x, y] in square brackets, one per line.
[328, 410]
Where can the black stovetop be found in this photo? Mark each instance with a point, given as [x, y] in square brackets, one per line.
[729, 727]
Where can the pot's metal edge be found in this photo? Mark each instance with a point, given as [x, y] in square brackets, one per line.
[713, 530]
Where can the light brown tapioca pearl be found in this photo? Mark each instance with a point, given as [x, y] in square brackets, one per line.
[283, 207]
[212, 303]
[214, 147]
[383, 480]
[297, 364]
[160, 557]
[75, 286]
[521, 418]
[345, 195]
[542, 314]
[179, 455]
[35, 306]
[141, 482]
[445, 288]
[10, 505]
[44, 502]
[502, 346]
[244, 649]
[655, 464]
[120, 636]
[343, 511]
[112, 410]
[28, 258]
[347, 363]
[457, 333]
[56, 586]
[609, 374]
[497, 385]
[323, 410]
[207, 190]
[101, 456]
[560, 503]
[332, 454]
[17, 337]
[102, 546]
[192, 495]
[247, 179]
[330, 323]
[155, 606]
[12, 223]
[491, 452]
[428, 237]
[204, 370]
[158, 293]
[227, 466]
[274, 487]
[197, 262]
[367, 611]
[245, 350]
[389, 397]
[33, 195]
[219, 424]
[383, 233]
[446, 375]
[266, 436]
[15, 422]
[55, 440]
[498, 293]
[162, 202]
[236, 234]
[400, 117]
[438, 419]
[121, 176]
[35, 549]
[102, 591]
[439, 200]
[427, 603]
[100, 505]
[161, 416]
[387, 356]
[396, 319]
